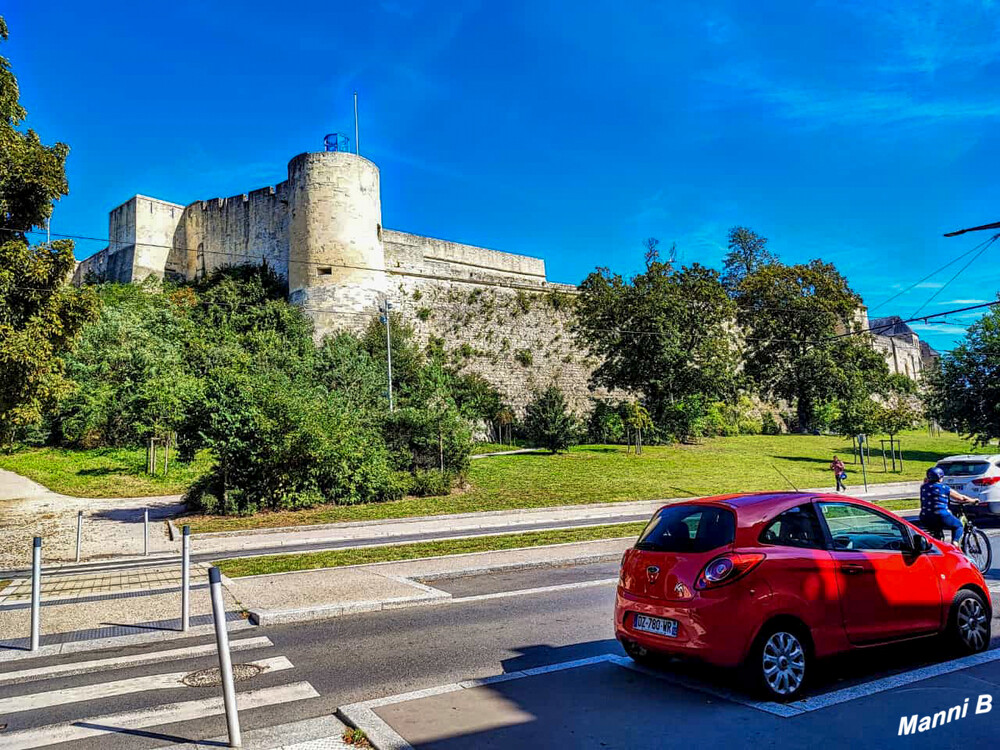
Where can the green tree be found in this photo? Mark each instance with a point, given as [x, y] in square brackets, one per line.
[636, 420]
[130, 368]
[965, 393]
[794, 320]
[747, 254]
[40, 314]
[664, 335]
[548, 422]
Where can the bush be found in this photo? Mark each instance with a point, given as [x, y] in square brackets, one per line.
[686, 418]
[548, 423]
[284, 445]
[605, 425]
[524, 357]
[430, 483]
[769, 425]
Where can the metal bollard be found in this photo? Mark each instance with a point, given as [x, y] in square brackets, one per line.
[79, 532]
[36, 591]
[185, 578]
[225, 663]
[145, 531]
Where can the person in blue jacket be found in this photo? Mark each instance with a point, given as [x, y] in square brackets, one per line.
[934, 498]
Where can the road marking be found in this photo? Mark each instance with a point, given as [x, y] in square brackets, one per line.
[539, 590]
[100, 726]
[33, 701]
[363, 716]
[815, 703]
[119, 662]
[115, 641]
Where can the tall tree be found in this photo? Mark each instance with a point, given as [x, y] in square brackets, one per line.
[965, 393]
[40, 315]
[747, 254]
[789, 316]
[662, 335]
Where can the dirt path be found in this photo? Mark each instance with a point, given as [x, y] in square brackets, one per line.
[111, 526]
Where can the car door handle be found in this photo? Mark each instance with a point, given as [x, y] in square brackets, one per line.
[852, 570]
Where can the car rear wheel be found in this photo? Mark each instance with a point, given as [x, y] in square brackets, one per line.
[780, 663]
[969, 623]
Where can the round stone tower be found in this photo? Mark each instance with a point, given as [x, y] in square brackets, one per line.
[336, 263]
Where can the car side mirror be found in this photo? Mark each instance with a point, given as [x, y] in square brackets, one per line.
[920, 544]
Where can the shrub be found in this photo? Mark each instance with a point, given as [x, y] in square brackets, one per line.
[424, 313]
[769, 425]
[280, 444]
[605, 425]
[430, 483]
[524, 357]
[548, 423]
[685, 419]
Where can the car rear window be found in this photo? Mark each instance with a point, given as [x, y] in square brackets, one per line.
[964, 468]
[688, 528]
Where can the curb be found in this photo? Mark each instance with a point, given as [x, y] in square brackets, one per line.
[172, 530]
[265, 617]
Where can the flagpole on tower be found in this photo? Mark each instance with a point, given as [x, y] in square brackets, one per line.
[357, 143]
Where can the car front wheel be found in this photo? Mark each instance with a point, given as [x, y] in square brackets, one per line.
[780, 663]
[969, 623]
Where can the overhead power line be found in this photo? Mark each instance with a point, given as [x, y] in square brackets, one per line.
[932, 274]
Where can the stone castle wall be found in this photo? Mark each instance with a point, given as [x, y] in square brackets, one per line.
[494, 313]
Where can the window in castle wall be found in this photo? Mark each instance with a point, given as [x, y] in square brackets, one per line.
[378, 231]
[324, 271]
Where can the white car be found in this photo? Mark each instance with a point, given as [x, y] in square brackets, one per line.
[976, 476]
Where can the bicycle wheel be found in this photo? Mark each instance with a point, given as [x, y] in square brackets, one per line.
[976, 545]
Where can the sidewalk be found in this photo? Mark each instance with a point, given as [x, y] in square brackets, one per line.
[103, 604]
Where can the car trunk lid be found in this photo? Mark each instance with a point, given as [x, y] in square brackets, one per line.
[674, 548]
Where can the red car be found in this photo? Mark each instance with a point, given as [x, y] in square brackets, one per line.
[771, 582]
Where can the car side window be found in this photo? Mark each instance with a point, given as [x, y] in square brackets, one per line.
[795, 527]
[855, 528]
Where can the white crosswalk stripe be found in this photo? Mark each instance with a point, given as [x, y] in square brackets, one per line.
[34, 701]
[119, 662]
[167, 714]
[26, 708]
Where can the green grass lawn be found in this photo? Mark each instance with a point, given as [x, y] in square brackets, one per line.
[251, 566]
[102, 472]
[605, 474]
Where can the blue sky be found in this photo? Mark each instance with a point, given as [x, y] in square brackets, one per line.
[853, 130]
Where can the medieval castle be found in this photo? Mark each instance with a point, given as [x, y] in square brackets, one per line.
[495, 313]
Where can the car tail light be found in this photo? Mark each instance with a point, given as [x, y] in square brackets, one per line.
[986, 481]
[726, 569]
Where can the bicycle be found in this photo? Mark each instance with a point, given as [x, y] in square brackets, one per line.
[975, 544]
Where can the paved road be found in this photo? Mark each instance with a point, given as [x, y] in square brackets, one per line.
[351, 659]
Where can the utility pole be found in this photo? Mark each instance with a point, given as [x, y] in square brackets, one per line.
[388, 347]
[357, 143]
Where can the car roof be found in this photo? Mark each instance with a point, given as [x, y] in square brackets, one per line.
[972, 457]
[760, 505]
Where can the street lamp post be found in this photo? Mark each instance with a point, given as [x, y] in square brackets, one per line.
[388, 348]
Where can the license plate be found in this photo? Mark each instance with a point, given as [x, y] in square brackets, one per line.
[657, 625]
[957, 487]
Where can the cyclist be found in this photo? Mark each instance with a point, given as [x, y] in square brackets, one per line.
[934, 498]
